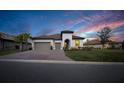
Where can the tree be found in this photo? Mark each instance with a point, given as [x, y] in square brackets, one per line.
[104, 35]
[26, 37]
[21, 38]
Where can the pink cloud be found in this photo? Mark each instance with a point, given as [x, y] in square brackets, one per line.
[89, 20]
[116, 24]
[117, 38]
[97, 27]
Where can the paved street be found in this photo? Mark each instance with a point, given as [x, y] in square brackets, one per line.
[38, 55]
[60, 72]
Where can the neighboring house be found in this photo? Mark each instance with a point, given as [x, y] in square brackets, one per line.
[57, 41]
[116, 44]
[8, 42]
[95, 43]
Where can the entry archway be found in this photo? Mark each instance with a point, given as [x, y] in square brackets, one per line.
[66, 43]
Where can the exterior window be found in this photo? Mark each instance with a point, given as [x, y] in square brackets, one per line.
[77, 43]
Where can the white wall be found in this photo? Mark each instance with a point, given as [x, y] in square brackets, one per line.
[81, 43]
[73, 43]
[57, 41]
[66, 36]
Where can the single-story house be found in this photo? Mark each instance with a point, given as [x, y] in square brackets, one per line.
[115, 44]
[95, 43]
[57, 41]
[8, 41]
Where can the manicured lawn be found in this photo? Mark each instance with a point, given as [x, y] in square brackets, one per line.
[96, 55]
[6, 52]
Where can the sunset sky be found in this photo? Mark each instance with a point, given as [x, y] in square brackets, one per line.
[84, 23]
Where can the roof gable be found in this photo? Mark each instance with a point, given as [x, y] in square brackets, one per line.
[7, 36]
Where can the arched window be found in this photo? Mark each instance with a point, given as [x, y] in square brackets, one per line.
[77, 43]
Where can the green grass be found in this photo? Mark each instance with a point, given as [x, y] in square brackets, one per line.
[6, 52]
[96, 55]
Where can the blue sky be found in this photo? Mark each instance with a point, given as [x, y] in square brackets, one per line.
[84, 23]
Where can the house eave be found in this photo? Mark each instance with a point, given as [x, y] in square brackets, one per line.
[66, 31]
[42, 38]
[78, 38]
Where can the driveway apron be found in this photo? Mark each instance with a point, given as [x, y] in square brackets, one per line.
[38, 55]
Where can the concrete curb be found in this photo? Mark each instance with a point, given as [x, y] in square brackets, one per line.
[58, 61]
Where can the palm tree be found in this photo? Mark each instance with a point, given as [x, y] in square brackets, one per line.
[26, 36]
[21, 38]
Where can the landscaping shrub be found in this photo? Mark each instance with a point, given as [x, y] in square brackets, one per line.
[87, 48]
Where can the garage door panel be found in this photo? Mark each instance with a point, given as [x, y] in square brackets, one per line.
[42, 46]
[58, 45]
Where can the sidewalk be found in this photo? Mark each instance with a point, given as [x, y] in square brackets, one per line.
[58, 61]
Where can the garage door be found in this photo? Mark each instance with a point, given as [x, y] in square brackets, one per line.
[42, 46]
[58, 45]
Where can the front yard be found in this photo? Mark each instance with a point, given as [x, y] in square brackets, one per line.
[6, 52]
[96, 55]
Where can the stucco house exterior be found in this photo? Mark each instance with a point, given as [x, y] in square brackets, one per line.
[65, 39]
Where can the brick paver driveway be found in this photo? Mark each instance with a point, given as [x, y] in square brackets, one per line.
[38, 55]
